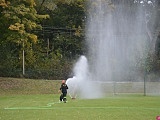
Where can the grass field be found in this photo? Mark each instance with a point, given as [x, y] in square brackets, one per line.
[40, 106]
[47, 107]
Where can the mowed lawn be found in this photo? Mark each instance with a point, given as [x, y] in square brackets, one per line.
[47, 107]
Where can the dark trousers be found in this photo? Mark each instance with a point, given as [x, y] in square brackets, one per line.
[63, 97]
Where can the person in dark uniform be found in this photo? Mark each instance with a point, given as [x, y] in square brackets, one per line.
[63, 89]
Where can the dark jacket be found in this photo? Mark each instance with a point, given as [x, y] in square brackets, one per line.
[64, 88]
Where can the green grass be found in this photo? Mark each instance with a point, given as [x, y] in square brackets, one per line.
[24, 99]
[46, 107]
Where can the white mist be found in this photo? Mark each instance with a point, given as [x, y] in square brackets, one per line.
[81, 84]
[118, 45]
[117, 41]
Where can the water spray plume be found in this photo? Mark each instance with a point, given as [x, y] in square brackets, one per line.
[118, 44]
[81, 83]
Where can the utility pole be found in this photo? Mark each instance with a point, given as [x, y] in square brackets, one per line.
[23, 60]
[47, 46]
[145, 76]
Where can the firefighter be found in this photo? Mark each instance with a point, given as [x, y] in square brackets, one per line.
[63, 90]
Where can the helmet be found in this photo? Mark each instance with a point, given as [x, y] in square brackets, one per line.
[63, 81]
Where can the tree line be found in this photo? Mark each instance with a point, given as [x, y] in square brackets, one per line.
[45, 37]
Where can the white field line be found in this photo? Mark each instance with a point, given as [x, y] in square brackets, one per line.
[49, 106]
